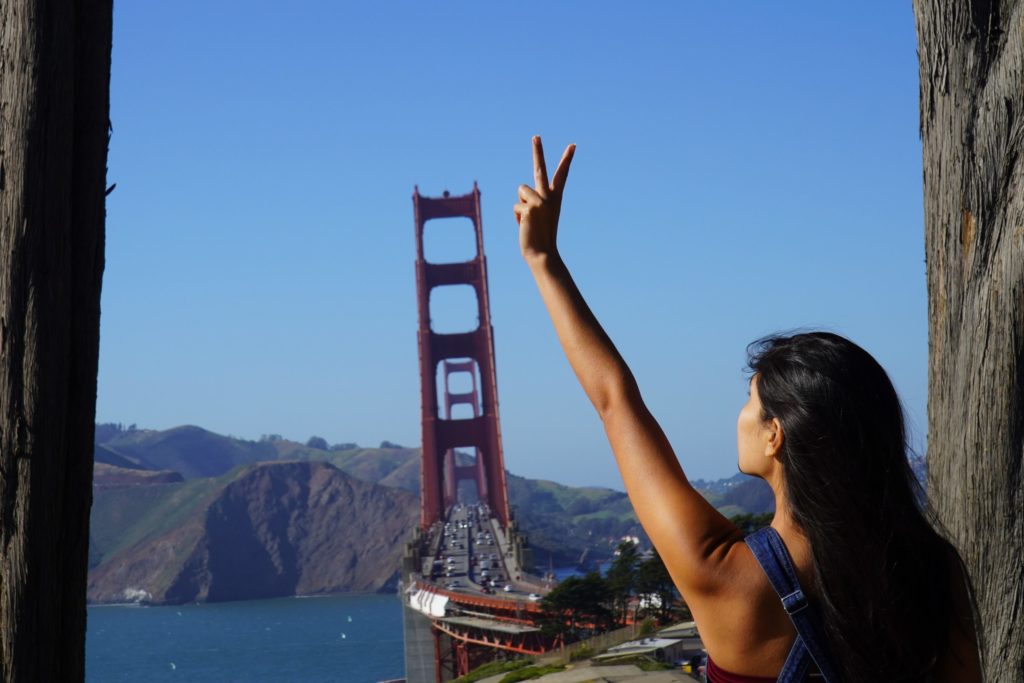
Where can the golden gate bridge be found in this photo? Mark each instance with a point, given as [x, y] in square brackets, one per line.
[466, 593]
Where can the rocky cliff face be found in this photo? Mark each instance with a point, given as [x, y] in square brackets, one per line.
[272, 529]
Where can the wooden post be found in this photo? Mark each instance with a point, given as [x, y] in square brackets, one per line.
[54, 108]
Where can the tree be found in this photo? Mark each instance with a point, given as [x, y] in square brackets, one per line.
[751, 522]
[317, 442]
[972, 131]
[621, 578]
[577, 604]
[655, 587]
[54, 108]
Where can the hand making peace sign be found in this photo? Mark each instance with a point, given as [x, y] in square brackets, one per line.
[539, 206]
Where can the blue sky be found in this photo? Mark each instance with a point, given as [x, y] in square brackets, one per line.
[742, 168]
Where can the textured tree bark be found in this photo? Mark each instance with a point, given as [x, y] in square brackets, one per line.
[54, 109]
[972, 129]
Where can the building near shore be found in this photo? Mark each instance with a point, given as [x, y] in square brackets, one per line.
[661, 649]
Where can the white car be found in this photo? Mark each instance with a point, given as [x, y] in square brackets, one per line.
[533, 597]
[507, 588]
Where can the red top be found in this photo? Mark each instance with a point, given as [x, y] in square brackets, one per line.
[716, 675]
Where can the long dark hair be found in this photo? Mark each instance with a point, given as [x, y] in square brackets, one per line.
[883, 572]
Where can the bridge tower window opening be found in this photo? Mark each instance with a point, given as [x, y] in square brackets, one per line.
[458, 389]
[463, 472]
[449, 240]
[463, 381]
[468, 493]
[454, 309]
[462, 411]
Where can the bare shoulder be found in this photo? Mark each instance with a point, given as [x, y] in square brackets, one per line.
[744, 627]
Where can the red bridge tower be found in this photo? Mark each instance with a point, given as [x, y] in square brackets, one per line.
[471, 352]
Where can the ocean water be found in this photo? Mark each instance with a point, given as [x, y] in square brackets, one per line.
[343, 638]
[562, 573]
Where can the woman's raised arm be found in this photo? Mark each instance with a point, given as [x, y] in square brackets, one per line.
[691, 536]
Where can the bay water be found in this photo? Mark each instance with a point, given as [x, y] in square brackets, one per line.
[353, 638]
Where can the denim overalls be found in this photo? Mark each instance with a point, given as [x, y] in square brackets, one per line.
[810, 645]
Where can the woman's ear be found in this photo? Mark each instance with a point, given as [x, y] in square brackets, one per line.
[775, 438]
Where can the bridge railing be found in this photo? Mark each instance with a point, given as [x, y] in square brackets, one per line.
[493, 602]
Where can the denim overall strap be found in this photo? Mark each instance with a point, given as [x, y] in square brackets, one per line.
[774, 559]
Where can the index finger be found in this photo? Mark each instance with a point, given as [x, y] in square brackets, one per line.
[540, 171]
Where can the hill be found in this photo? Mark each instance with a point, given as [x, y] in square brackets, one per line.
[570, 526]
[191, 451]
[197, 453]
[153, 492]
[262, 530]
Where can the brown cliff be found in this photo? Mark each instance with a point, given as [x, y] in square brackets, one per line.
[270, 529]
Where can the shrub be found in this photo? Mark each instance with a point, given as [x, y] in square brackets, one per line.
[585, 652]
[491, 669]
[531, 672]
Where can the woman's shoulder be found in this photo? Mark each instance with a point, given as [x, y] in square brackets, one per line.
[745, 629]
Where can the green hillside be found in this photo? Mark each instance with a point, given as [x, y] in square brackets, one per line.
[564, 522]
[122, 516]
[191, 451]
[197, 453]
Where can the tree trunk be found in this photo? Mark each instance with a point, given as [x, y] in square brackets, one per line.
[54, 108]
[972, 104]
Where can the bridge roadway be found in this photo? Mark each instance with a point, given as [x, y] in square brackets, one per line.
[473, 590]
[470, 555]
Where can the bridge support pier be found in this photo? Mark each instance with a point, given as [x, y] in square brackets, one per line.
[420, 655]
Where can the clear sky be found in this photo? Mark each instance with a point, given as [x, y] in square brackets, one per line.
[742, 168]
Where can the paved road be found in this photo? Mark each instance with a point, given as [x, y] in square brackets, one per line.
[470, 557]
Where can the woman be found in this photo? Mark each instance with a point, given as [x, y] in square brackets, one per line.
[823, 426]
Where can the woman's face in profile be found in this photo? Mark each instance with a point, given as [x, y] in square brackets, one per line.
[752, 434]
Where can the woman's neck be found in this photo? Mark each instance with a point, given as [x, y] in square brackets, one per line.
[791, 532]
